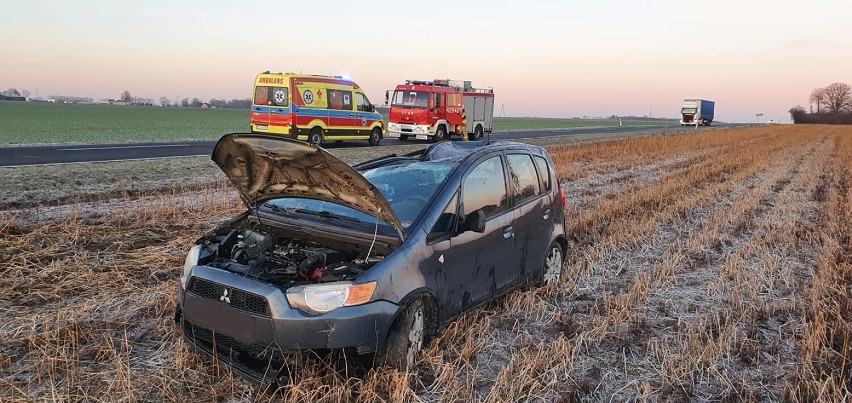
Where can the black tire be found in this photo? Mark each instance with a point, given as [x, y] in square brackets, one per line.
[315, 137]
[554, 259]
[375, 136]
[440, 134]
[477, 133]
[404, 340]
[403, 137]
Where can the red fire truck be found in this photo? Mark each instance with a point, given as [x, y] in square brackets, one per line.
[433, 109]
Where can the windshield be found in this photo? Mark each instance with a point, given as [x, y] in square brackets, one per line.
[418, 99]
[407, 188]
[688, 110]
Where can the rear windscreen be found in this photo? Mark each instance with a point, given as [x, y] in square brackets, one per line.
[265, 95]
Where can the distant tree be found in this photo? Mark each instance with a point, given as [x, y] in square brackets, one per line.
[13, 92]
[798, 114]
[126, 97]
[184, 102]
[165, 101]
[838, 98]
[196, 103]
[244, 103]
[25, 93]
[817, 98]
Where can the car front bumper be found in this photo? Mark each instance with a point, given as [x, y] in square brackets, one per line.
[238, 327]
[403, 129]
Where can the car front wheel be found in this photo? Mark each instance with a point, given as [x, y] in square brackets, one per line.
[440, 134]
[406, 338]
[375, 136]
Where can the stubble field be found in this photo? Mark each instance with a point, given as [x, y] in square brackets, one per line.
[710, 266]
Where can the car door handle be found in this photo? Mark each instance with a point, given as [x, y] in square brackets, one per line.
[546, 213]
[508, 232]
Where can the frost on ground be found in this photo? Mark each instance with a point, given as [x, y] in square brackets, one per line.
[701, 268]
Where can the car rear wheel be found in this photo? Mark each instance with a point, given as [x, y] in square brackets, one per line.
[406, 338]
[375, 136]
[315, 137]
[477, 133]
[403, 137]
[553, 264]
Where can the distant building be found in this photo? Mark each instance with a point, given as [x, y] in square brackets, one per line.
[4, 97]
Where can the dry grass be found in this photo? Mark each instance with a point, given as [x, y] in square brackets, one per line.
[711, 266]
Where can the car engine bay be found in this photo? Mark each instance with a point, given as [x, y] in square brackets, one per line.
[280, 260]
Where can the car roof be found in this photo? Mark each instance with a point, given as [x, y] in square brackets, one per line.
[450, 151]
[460, 150]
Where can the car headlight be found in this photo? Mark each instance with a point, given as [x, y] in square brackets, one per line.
[191, 260]
[322, 298]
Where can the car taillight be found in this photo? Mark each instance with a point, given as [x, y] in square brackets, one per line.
[562, 196]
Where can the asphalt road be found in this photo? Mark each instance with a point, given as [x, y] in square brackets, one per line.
[63, 154]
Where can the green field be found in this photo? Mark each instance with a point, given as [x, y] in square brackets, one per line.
[33, 123]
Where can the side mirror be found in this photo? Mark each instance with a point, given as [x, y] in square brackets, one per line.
[475, 221]
[387, 97]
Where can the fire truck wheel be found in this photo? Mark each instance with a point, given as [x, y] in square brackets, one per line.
[315, 137]
[440, 134]
[375, 136]
[477, 133]
[403, 137]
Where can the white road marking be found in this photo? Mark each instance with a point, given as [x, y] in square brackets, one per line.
[120, 147]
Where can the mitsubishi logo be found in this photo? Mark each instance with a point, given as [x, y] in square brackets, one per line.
[225, 298]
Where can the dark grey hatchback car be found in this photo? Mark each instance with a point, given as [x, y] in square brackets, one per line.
[378, 257]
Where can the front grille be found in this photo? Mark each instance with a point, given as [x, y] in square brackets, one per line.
[253, 362]
[237, 298]
[225, 343]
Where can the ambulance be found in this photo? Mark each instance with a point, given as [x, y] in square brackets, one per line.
[313, 108]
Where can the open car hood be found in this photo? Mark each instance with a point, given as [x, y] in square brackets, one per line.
[265, 167]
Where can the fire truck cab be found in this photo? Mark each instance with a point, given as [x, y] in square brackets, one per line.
[434, 110]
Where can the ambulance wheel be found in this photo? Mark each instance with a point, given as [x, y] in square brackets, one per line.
[440, 134]
[315, 137]
[375, 136]
[477, 133]
[403, 137]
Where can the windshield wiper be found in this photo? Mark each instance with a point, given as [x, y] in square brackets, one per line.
[323, 214]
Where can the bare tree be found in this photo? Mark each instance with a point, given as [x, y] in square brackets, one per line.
[817, 97]
[126, 97]
[25, 93]
[838, 97]
[165, 101]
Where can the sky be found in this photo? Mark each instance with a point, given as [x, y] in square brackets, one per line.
[543, 58]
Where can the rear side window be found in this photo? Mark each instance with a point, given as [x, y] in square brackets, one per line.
[485, 188]
[543, 173]
[278, 96]
[523, 180]
[338, 99]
